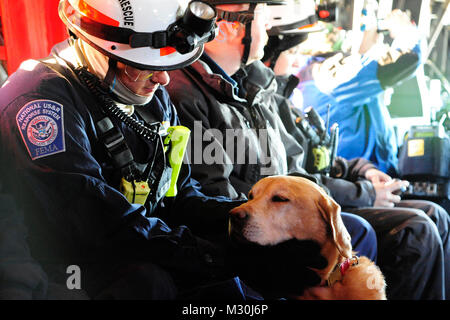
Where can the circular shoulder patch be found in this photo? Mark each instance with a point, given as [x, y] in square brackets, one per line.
[42, 131]
[41, 125]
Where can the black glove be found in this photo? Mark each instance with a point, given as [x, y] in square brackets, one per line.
[282, 270]
[191, 260]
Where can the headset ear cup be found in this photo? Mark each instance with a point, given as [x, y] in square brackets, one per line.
[270, 48]
[279, 43]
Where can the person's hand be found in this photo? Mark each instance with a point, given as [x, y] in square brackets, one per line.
[377, 176]
[385, 196]
[336, 70]
[281, 270]
[399, 24]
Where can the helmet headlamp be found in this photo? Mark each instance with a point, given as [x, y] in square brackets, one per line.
[199, 10]
[196, 27]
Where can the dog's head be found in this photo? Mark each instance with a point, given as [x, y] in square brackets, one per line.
[280, 208]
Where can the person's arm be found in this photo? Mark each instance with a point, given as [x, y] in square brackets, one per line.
[69, 193]
[210, 164]
[401, 59]
[206, 216]
[396, 69]
[360, 193]
[385, 187]
[351, 170]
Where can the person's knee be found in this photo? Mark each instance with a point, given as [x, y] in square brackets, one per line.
[439, 216]
[358, 227]
[431, 209]
[364, 239]
[422, 231]
[415, 257]
[416, 240]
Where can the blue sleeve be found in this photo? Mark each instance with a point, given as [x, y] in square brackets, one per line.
[350, 92]
[359, 89]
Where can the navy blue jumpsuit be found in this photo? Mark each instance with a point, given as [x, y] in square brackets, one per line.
[65, 184]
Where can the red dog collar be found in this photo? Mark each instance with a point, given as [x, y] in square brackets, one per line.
[340, 270]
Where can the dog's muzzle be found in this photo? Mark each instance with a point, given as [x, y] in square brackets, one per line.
[236, 225]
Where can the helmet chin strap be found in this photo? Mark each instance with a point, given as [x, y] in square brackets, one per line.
[110, 74]
[247, 40]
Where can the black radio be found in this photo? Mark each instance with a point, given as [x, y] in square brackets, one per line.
[424, 160]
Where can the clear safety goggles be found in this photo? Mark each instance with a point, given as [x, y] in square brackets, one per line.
[138, 75]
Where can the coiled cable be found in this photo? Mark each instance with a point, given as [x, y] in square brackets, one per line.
[110, 107]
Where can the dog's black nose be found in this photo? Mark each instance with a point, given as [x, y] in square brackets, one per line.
[240, 216]
[237, 223]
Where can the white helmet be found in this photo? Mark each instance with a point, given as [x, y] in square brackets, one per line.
[146, 34]
[296, 16]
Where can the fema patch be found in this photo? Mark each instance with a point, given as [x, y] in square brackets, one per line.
[42, 128]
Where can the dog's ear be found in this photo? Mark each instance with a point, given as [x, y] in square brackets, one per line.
[331, 212]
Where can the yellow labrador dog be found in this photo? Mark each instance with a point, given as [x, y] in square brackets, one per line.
[281, 208]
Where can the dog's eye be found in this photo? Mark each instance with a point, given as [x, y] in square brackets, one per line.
[250, 196]
[279, 199]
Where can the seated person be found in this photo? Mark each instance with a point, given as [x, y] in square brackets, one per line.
[390, 224]
[210, 103]
[82, 131]
[353, 86]
[243, 102]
